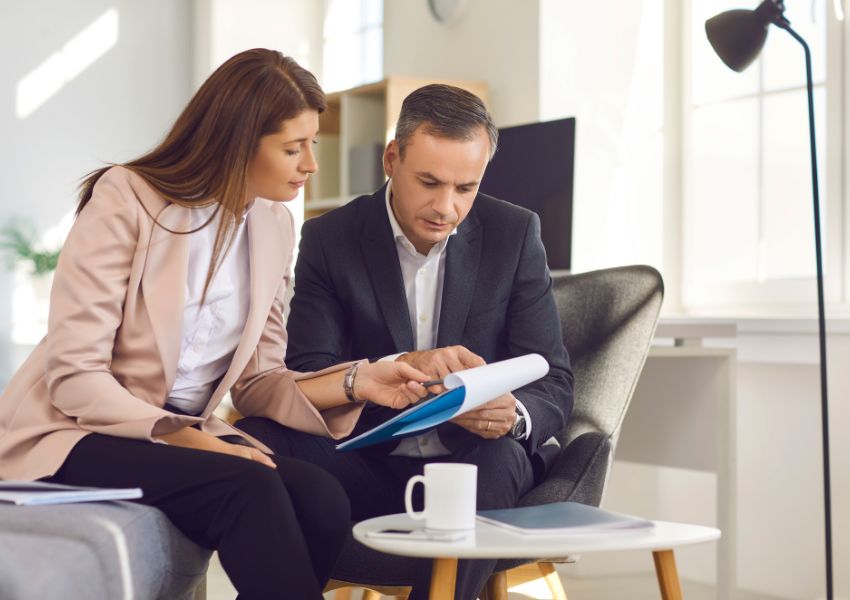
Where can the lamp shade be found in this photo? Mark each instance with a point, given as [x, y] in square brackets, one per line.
[737, 36]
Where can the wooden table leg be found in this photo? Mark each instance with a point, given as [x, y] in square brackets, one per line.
[668, 576]
[443, 578]
[497, 586]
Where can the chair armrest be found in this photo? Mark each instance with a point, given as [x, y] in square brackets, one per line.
[578, 474]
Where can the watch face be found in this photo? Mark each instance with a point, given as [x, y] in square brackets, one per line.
[446, 11]
[519, 426]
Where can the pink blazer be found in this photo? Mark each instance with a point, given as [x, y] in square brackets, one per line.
[110, 355]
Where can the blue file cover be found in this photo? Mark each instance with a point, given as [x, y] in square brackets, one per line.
[561, 518]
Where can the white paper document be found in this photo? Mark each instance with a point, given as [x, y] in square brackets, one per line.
[38, 493]
[491, 381]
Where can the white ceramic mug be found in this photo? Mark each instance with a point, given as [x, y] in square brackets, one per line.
[450, 490]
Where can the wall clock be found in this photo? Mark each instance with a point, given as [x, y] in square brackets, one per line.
[447, 11]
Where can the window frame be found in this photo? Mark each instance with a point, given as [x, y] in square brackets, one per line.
[791, 296]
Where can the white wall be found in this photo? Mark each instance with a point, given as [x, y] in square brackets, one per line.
[779, 499]
[223, 28]
[114, 109]
[603, 63]
[495, 41]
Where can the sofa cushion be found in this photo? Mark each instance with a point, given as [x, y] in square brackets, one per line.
[109, 550]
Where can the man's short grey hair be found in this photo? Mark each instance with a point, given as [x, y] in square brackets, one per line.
[444, 111]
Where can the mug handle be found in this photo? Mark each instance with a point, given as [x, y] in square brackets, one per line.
[408, 497]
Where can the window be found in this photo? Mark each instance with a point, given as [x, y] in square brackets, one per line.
[748, 238]
[353, 43]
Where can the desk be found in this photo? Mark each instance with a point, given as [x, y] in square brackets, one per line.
[686, 398]
[489, 541]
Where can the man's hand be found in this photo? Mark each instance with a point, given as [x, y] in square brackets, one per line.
[491, 420]
[440, 362]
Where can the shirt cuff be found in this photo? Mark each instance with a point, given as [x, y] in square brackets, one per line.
[527, 416]
[391, 357]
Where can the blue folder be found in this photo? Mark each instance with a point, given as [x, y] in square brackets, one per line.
[414, 421]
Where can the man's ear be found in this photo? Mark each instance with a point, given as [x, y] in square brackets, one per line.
[391, 155]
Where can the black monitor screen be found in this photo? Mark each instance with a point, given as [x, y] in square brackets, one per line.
[533, 168]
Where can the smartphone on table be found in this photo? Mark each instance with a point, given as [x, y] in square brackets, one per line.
[417, 534]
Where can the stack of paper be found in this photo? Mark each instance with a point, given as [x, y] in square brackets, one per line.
[35, 493]
[562, 518]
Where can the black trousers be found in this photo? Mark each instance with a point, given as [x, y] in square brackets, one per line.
[374, 481]
[278, 532]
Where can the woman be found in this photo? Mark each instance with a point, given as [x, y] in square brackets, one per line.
[169, 292]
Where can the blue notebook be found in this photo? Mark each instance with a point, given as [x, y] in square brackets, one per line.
[562, 518]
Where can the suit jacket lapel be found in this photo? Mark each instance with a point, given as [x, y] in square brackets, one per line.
[381, 255]
[164, 284]
[463, 253]
[268, 245]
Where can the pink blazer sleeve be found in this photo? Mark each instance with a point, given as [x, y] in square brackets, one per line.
[266, 388]
[88, 292]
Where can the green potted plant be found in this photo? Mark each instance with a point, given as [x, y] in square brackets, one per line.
[19, 243]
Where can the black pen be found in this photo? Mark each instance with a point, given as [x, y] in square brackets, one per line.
[432, 382]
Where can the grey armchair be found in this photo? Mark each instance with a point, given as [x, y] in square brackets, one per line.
[608, 319]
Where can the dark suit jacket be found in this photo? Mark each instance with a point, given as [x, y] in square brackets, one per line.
[497, 301]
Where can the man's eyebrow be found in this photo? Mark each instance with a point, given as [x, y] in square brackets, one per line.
[427, 175]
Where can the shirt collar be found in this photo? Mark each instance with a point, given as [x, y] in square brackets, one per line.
[398, 234]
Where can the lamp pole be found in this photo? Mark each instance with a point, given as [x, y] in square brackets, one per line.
[738, 36]
[827, 493]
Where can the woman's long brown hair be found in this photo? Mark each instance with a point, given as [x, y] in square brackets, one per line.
[204, 158]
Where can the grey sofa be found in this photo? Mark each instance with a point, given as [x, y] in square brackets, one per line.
[94, 551]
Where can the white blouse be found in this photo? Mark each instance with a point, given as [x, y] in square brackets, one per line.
[211, 332]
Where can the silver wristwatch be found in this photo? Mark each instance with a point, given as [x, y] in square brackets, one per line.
[348, 382]
[520, 426]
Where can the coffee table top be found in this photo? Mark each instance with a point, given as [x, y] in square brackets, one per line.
[490, 541]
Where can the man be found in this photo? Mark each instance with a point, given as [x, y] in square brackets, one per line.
[430, 272]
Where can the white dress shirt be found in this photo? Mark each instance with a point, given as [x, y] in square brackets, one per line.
[423, 277]
[211, 332]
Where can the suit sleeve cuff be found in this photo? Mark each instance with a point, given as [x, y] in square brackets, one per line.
[391, 357]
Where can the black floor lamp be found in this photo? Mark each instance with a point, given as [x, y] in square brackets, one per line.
[738, 36]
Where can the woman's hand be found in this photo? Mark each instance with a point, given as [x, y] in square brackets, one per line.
[248, 452]
[393, 384]
[189, 437]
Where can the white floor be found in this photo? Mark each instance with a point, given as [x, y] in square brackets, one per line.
[641, 587]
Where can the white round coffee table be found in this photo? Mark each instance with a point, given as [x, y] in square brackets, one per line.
[489, 541]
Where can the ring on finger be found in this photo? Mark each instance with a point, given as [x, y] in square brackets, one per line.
[488, 426]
